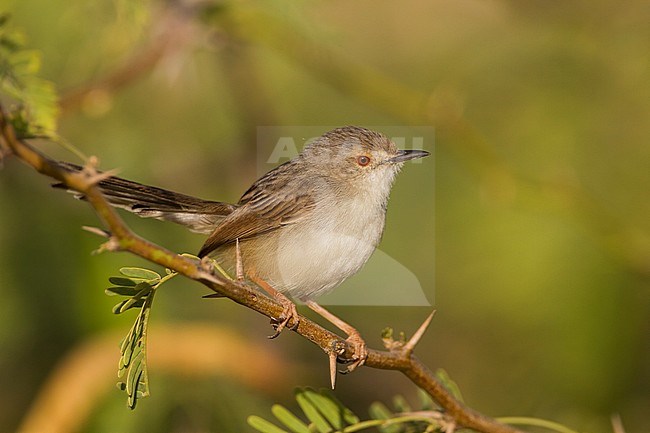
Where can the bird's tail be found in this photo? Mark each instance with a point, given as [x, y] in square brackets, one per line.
[198, 215]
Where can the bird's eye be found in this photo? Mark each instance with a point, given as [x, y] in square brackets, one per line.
[363, 160]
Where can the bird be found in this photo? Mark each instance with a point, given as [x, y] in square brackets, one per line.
[301, 229]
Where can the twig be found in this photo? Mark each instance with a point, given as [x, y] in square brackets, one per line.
[125, 240]
[173, 28]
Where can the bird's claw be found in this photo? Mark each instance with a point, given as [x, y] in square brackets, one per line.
[289, 314]
[358, 357]
[360, 354]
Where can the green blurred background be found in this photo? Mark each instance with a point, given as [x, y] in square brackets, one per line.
[536, 203]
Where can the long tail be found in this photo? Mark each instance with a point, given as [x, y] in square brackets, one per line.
[198, 215]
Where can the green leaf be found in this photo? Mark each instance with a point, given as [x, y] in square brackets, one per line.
[121, 281]
[4, 18]
[121, 291]
[11, 41]
[132, 367]
[387, 333]
[325, 413]
[400, 404]
[133, 376]
[286, 417]
[328, 408]
[348, 416]
[426, 402]
[136, 301]
[536, 422]
[127, 304]
[134, 393]
[312, 412]
[379, 411]
[448, 383]
[35, 106]
[139, 286]
[140, 273]
[264, 426]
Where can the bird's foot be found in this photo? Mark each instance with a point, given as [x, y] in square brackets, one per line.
[360, 350]
[359, 347]
[289, 317]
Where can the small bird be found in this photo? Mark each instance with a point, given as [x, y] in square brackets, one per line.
[301, 229]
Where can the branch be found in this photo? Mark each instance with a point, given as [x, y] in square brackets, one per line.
[399, 357]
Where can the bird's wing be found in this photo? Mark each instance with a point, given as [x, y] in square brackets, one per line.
[271, 203]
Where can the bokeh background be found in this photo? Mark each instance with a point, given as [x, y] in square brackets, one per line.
[530, 229]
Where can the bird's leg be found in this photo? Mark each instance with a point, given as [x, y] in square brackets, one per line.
[289, 312]
[239, 268]
[354, 337]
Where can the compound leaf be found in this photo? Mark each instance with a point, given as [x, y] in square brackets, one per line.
[286, 417]
[264, 426]
[312, 413]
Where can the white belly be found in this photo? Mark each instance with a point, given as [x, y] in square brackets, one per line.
[314, 257]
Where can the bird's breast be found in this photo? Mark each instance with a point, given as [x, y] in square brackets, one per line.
[312, 256]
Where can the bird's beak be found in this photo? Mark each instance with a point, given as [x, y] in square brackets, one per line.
[405, 155]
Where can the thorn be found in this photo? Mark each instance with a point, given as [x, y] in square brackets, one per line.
[617, 423]
[111, 245]
[93, 162]
[206, 268]
[210, 277]
[410, 345]
[240, 266]
[90, 166]
[332, 358]
[213, 295]
[97, 231]
[97, 177]
[337, 349]
[92, 174]
[207, 264]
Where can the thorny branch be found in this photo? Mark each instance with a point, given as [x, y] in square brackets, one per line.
[398, 357]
